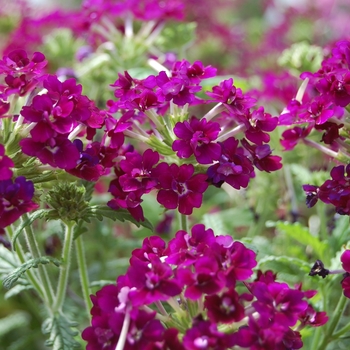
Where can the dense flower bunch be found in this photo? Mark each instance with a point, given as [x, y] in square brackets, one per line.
[194, 293]
[162, 101]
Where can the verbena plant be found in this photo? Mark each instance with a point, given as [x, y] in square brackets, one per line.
[184, 161]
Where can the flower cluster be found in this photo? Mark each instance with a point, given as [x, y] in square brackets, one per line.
[203, 278]
[335, 191]
[320, 105]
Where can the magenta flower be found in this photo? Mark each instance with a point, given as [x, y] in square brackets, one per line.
[176, 89]
[291, 137]
[195, 73]
[231, 97]
[260, 123]
[233, 166]
[138, 171]
[58, 152]
[153, 281]
[276, 301]
[196, 138]
[15, 199]
[205, 335]
[179, 188]
[224, 308]
[5, 164]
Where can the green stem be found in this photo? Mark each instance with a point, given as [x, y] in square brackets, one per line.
[30, 274]
[183, 222]
[83, 273]
[338, 312]
[64, 268]
[35, 252]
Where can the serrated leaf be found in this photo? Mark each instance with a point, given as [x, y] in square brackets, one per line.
[10, 279]
[18, 288]
[122, 215]
[31, 218]
[8, 261]
[79, 229]
[61, 333]
[303, 236]
[284, 264]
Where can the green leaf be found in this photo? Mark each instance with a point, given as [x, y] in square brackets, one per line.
[16, 320]
[31, 218]
[8, 261]
[100, 211]
[303, 236]
[18, 288]
[61, 333]
[284, 264]
[10, 279]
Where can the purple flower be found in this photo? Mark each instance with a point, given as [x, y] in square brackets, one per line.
[233, 166]
[335, 191]
[127, 200]
[179, 188]
[176, 89]
[231, 97]
[5, 164]
[259, 123]
[58, 152]
[224, 308]
[278, 302]
[291, 137]
[153, 281]
[262, 157]
[138, 171]
[202, 278]
[205, 335]
[345, 260]
[15, 200]
[195, 73]
[196, 138]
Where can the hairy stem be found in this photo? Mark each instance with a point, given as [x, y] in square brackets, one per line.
[30, 274]
[35, 252]
[83, 273]
[64, 268]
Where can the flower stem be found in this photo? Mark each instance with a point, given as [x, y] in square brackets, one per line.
[183, 222]
[84, 277]
[124, 332]
[64, 269]
[336, 316]
[35, 252]
[30, 274]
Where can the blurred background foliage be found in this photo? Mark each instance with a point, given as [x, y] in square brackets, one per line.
[248, 40]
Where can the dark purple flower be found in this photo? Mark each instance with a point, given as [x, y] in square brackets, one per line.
[345, 284]
[224, 308]
[262, 157]
[179, 188]
[89, 165]
[176, 89]
[231, 97]
[196, 138]
[127, 200]
[15, 199]
[291, 137]
[194, 73]
[233, 166]
[260, 123]
[205, 335]
[345, 260]
[312, 318]
[202, 278]
[5, 164]
[138, 171]
[278, 302]
[154, 281]
[58, 152]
